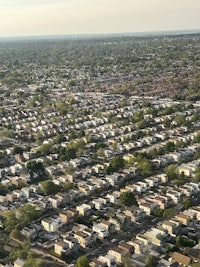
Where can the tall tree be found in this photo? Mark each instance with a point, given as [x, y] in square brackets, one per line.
[82, 262]
[128, 199]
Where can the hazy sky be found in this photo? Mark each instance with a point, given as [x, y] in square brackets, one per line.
[43, 17]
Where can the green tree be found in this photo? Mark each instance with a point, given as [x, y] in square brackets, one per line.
[151, 261]
[138, 116]
[34, 262]
[49, 188]
[197, 174]
[83, 262]
[196, 155]
[18, 150]
[58, 139]
[114, 146]
[180, 120]
[128, 199]
[167, 111]
[67, 185]
[145, 167]
[100, 152]
[187, 203]
[168, 213]
[197, 138]
[27, 213]
[90, 139]
[21, 217]
[20, 252]
[69, 169]
[143, 124]
[158, 213]
[116, 164]
[128, 262]
[170, 146]
[9, 220]
[171, 172]
[45, 149]
[167, 122]
[15, 233]
[184, 242]
[35, 167]
[100, 145]
[6, 133]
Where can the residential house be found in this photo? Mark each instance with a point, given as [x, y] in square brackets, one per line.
[184, 168]
[68, 216]
[84, 209]
[101, 229]
[176, 156]
[170, 227]
[128, 248]
[135, 213]
[3, 199]
[54, 200]
[63, 198]
[27, 191]
[162, 201]
[71, 242]
[51, 224]
[109, 260]
[118, 253]
[114, 179]
[185, 219]
[98, 263]
[60, 247]
[148, 207]
[29, 232]
[113, 197]
[10, 197]
[174, 194]
[83, 239]
[117, 223]
[138, 246]
[193, 253]
[143, 238]
[182, 260]
[156, 236]
[99, 203]
[162, 178]
[19, 263]
[109, 226]
[93, 235]
[123, 219]
[196, 211]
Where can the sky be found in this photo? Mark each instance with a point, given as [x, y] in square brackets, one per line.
[55, 17]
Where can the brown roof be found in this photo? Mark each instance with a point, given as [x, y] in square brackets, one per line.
[125, 246]
[82, 234]
[118, 250]
[181, 259]
[98, 263]
[159, 198]
[106, 223]
[181, 215]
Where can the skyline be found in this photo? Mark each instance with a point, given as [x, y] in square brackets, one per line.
[63, 17]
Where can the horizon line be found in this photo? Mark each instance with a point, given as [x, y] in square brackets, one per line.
[75, 35]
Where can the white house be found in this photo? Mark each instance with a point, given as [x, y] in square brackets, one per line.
[51, 224]
[101, 230]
